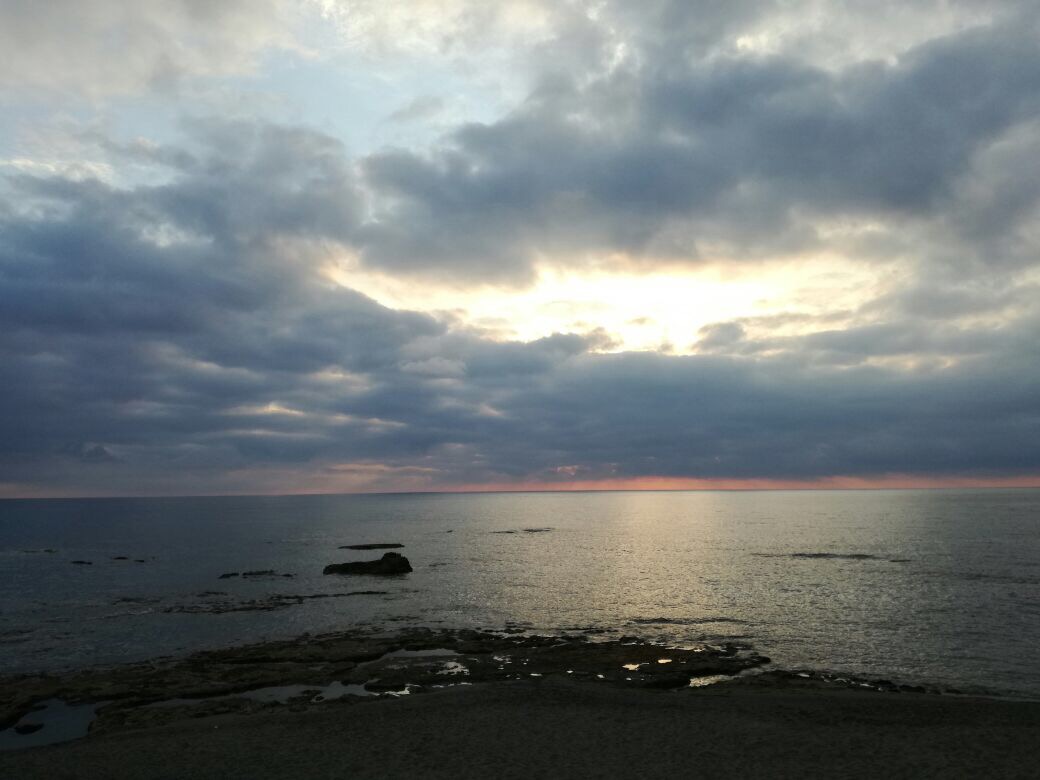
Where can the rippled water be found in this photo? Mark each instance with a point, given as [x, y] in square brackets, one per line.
[914, 586]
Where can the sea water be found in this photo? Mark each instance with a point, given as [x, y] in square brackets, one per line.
[938, 587]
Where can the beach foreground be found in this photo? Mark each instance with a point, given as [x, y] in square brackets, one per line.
[575, 705]
[564, 728]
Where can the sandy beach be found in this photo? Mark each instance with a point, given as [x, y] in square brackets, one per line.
[499, 704]
[561, 728]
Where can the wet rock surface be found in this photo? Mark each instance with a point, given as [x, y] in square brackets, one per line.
[360, 663]
[390, 563]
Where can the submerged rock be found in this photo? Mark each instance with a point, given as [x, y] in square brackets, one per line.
[257, 573]
[219, 606]
[387, 546]
[390, 563]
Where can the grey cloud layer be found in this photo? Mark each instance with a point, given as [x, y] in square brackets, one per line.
[713, 157]
[98, 48]
[171, 335]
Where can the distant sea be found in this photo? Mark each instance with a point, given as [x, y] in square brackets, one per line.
[938, 587]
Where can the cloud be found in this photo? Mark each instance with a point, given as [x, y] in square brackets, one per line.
[707, 158]
[168, 322]
[181, 337]
[101, 48]
[420, 109]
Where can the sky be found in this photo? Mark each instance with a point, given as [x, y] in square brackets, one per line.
[291, 246]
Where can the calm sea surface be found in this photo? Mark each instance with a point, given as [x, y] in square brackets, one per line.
[915, 586]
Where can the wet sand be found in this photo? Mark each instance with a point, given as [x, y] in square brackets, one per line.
[565, 728]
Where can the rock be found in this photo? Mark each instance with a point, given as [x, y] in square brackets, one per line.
[388, 546]
[120, 558]
[390, 563]
[28, 728]
[255, 573]
[215, 606]
[83, 563]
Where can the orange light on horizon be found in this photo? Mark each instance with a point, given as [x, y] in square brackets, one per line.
[326, 487]
[885, 482]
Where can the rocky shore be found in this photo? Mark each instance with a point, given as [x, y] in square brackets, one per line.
[240, 710]
[406, 661]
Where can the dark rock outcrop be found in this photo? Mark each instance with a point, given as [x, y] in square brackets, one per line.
[390, 563]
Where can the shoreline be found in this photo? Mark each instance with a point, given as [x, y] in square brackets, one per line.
[416, 678]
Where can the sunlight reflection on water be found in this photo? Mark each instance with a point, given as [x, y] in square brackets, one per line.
[937, 586]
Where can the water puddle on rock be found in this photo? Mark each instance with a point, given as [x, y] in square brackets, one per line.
[58, 722]
[711, 679]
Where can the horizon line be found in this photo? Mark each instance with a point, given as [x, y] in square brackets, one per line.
[521, 490]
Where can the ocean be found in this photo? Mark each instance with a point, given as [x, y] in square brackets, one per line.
[936, 587]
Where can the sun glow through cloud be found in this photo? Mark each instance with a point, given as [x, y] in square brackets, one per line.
[663, 311]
